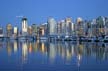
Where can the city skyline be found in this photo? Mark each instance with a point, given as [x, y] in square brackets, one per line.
[38, 11]
[63, 28]
[58, 35]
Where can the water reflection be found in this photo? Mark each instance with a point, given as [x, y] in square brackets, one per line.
[9, 48]
[65, 49]
[74, 53]
[24, 51]
[15, 46]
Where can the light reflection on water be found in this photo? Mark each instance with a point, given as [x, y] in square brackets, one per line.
[73, 55]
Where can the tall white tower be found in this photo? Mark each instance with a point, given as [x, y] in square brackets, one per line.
[52, 26]
[24, 25]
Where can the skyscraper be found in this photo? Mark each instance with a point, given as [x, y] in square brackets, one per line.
[101, 25]
[1, 32]
[42, 30]
[52, 26]
[87, 28]
[79, 27]
[63, 27]
[30, 31]
[93, 26]
[106, 26]
[68, 22]
[59, 28]
[9, 30]
[34, 28]
[15, 31]
[24, 26]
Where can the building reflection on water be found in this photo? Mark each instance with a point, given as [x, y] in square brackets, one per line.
[66, 52]
[9, 48]
[15, 46]
[24, 51]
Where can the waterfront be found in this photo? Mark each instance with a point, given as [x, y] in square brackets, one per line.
[53, 56]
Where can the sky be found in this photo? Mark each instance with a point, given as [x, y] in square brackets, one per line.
[38, 11]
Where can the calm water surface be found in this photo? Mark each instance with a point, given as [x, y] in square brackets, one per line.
[53, 56]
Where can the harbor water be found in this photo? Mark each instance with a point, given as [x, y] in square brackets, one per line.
[53, 56]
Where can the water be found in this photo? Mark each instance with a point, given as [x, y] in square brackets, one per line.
[53, 56]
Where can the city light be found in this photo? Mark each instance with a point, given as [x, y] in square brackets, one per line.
[64, 30]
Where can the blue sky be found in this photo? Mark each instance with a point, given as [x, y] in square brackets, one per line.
[37, 11]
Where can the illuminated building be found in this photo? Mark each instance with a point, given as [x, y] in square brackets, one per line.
[100, 21]
[59, 28]
[93, 26]
[30, 31]
[1, 32]
[68, 26]
[41, 30]
[52, 26]
[73, 29]
[87, 28]
[106, 26]
[34, 29]
[15, 31]
[63, 27]
[24, 26]
[9, 30]
[79, 27]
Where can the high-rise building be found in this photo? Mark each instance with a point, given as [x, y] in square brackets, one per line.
[106, 26]
[1, 32]
[15, 31]
[94, 28]
[73, 28]
[34, 29]
[9, 30]
[46, 29]
[59, 28]
[30, 31]
[79, 27]
[100, 21]
[52, 26]
[24, 26]
[63, 27]
[43, 29]
[87, 28]
[68, 22]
